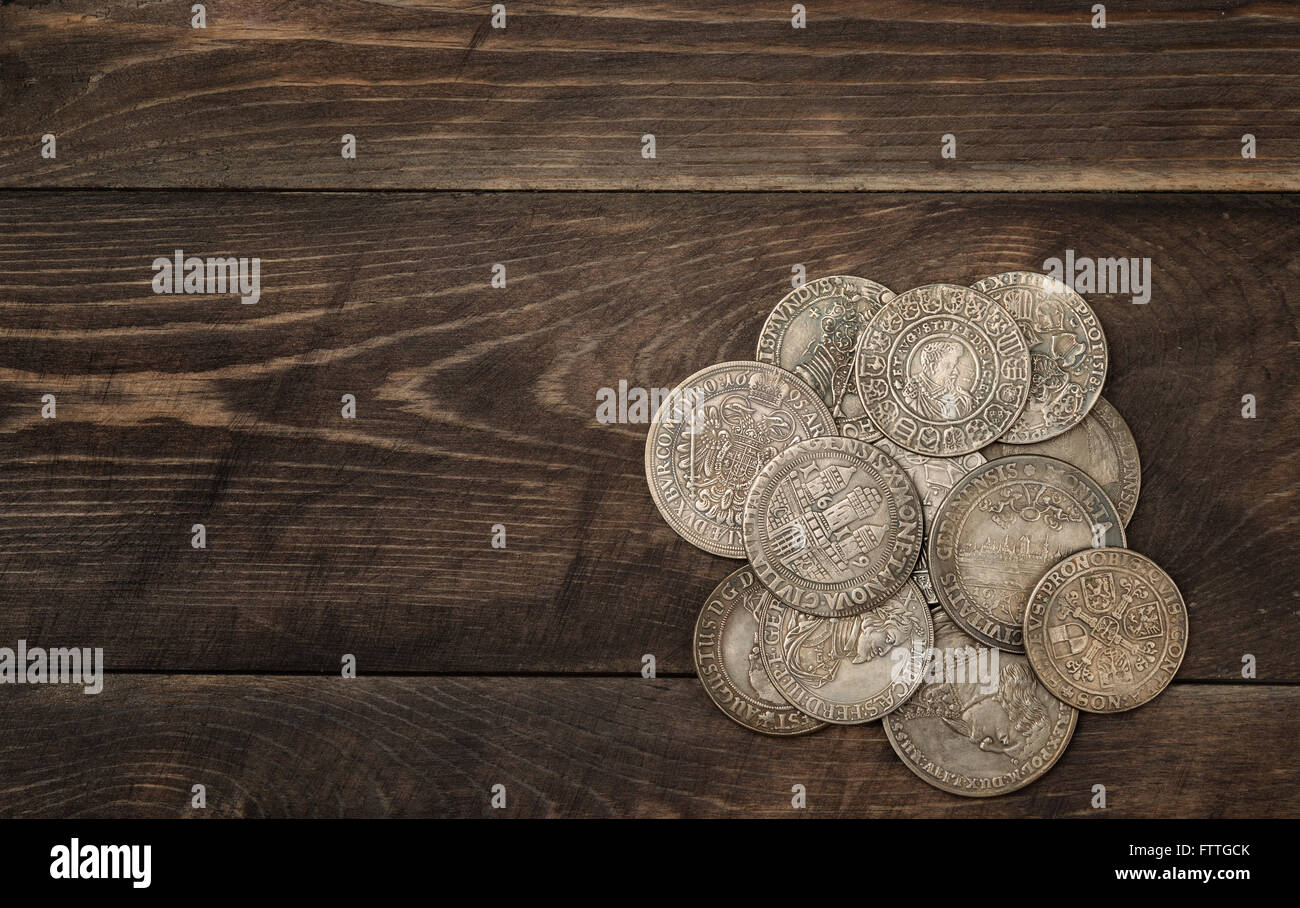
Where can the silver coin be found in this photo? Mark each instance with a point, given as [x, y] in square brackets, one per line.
[813, 332]
[999, 530]
[934, 478]
[708, 441]
[1102, 446]
[833, 526]
[848, 670]
[981, 724]
[1067, 350]
[942, 370]
[729, 659]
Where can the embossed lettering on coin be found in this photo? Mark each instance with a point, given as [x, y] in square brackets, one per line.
[708, 441]
[729, 659]
[942, 370]
[1066, 346]
[833, 526]
[853, 669]
[1106, 630]
[1001, 527]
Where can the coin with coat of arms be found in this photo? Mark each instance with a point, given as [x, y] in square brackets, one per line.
[1001, 527]
[729, 659]
[981, 724]
[833, 526]
[942, 370]
[1067, 351]
[813, 332]
[853, 669]
[1106, 630]
[709, 439]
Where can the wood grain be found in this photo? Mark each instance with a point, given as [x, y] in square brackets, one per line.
[585, 747]
[736, 98]
[477, 406]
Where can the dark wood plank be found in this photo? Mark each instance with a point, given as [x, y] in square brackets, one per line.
[737, 99]
[434, 747]
[477, 406]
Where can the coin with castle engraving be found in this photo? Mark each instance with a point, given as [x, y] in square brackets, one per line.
[981, 724]
[729, 659]
[934, 478]
[813, 332]
[1106, 630]
[713, 434]
[1067, 351]
[832, 526]
[942, 370]
[999, 530]
[1102, 446]
[853, 669]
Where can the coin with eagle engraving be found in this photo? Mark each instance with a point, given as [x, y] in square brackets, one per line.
[942, 370]
[729, 659]
[1106, 630]
[712, 435]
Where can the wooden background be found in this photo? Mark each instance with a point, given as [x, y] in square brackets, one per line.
[476, 406]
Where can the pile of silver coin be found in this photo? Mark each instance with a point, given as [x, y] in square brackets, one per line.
[930, 495]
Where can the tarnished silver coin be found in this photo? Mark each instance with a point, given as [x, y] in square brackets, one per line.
[1106, 630]
[813, 332]
[942, 370]
[1001, 527]
[729, 659]
[934, 478]
[980, 724]
[848, 670]
[1067, 351]
[708, 441]
[833, 526]
[1102, 446]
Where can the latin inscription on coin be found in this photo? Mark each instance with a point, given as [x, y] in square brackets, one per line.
[833, 526]
[853, 669]
[709, 440]
[980, 724]
[729, 659]
[1001, 527]
[1066, 346]
[1102, 446]
[1106, 630]
[942, 370]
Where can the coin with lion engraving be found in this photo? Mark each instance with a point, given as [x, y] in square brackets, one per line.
[1106, 630]
[1102, 446]
[942, 370]
[729, 659]
[713, 434]
[1067, 351]
[980, 724]
[833, 526]
[1001, 527]
[813, 332]
[848, 670]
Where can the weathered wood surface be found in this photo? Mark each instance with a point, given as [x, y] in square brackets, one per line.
[736, 98]
[477, 406]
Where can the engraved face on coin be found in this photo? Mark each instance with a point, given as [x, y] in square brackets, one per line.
[1102, 446]
[729, 659]
[934, 478]
[1067, 351]
[848, 670]
[833, 526]
[813, 332]
[942, 370]
[708, 441]
[1106, 630]
[1001, 527]
[980, 724]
